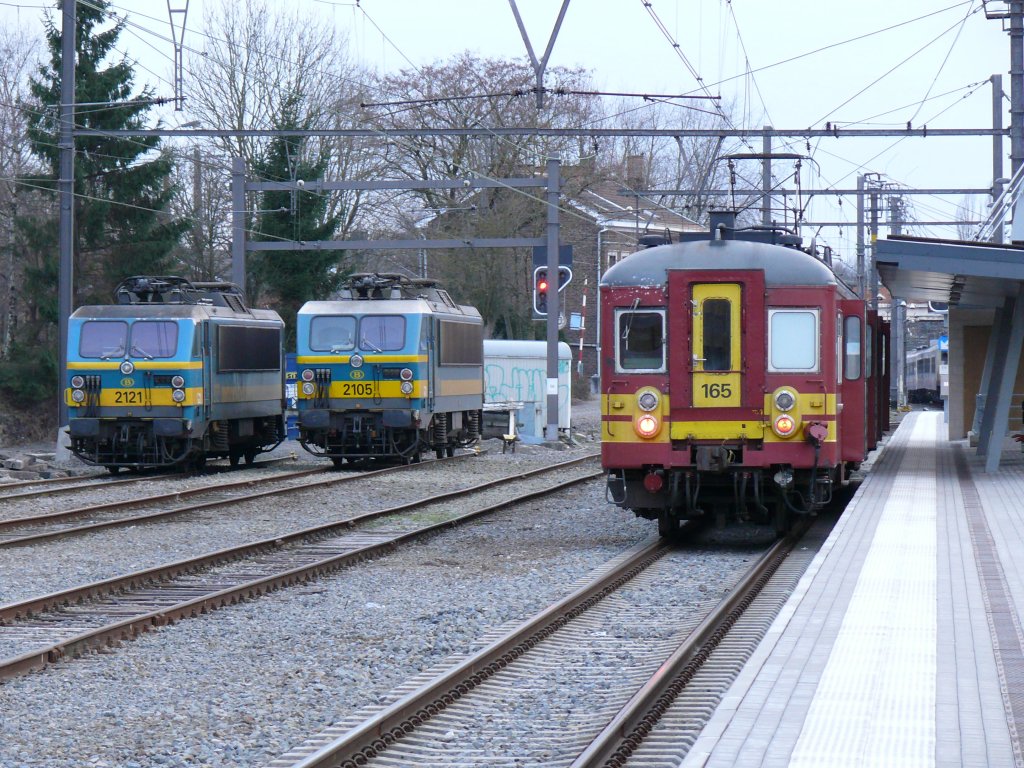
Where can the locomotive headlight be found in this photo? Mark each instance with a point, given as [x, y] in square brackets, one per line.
[127, 367]
[178, 382]
[784, 400]
[356, 361]
[307, 388]
[647, 425]
[77, 382]
[406, 374]
[178, 395]
[406, 387]
[77, 395]
[307, 375]
[648, 400]
[784, 425]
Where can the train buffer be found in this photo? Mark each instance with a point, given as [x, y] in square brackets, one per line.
[504, 417]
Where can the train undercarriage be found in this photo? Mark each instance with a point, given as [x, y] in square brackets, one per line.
[170, 442]
[777, 495]
[386, 435]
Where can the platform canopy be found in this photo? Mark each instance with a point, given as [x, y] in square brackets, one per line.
[968, 275]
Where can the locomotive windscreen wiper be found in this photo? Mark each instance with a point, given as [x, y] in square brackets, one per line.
[365, 342]
[139, 352]
[629, 319]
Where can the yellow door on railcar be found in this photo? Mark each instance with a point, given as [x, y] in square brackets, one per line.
[717, 380]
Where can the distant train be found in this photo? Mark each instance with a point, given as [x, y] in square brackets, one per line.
[391, 369]
[172, 374]
[739, 376]
[927, 374]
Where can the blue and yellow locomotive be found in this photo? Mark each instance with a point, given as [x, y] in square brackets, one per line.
[174, 373]
[390, 369]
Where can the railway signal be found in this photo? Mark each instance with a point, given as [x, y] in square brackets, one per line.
[540, 291]
[541, 284]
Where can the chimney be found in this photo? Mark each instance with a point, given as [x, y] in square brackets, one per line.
[635, 171]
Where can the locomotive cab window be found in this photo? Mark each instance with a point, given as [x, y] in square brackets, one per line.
[332, 333]
[154, 338]
[103, 339]
[640, 340]
[382, 333]
[793, 340]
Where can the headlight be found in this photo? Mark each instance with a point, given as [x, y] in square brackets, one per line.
[406, 387]
[307, 374]
[178, 382]
[178, 395]
[127, 367]
[307, 388]
[648, 400]
[784, 400]
[356, 361]
[406, 374]
[77, 395]
[77, 382]
[647, 425]
[784, 426]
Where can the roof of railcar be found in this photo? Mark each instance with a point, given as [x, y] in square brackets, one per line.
[170, 312]
[781, 265]
[417, 306]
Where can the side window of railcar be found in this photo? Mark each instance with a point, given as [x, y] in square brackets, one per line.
[103, 339]
[869, 350]
[640, 340]
[154, 338]
[332, 333]
[716, 315]
[793, 340]
[381, 333]
[852, 344]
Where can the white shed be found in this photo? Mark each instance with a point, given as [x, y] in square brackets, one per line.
[516, 372]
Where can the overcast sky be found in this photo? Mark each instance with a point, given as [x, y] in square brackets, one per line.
[789, 63]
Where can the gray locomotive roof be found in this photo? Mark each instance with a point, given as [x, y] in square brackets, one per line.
[386, 307]
[170, 311]
[781, 265]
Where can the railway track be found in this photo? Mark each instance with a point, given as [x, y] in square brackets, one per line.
[624, 658]
[53, 486]
[39, 631]
[32, 529]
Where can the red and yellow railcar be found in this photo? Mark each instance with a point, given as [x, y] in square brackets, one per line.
[739, 374]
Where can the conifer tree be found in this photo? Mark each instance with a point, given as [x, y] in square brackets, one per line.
[122, 192]
[122, 184]
[294, 277]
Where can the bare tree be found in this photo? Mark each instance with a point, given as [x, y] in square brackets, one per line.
[268, 67]
[472, 92]
[681, 163]
[19, 53]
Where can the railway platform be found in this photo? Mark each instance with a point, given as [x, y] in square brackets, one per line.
[902, 644]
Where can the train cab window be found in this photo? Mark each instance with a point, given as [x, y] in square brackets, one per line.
[332, 333]
[381, 333]
[640, 340]
[154, 338]
[103, 339]
[716, 315]
[852, 348]
[792, 340]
